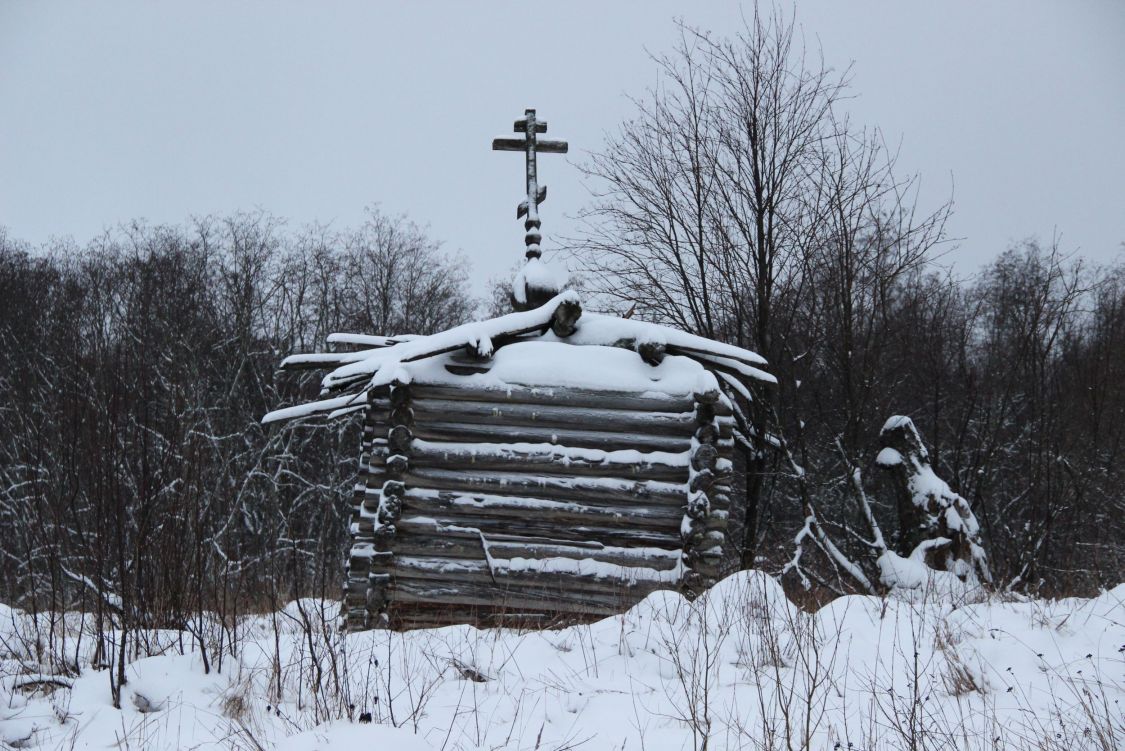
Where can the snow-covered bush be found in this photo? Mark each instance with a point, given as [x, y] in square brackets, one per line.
[937, 529]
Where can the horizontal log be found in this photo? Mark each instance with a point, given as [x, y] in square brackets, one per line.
[507, 413]
[556, 396]
[399, 438]
[376, 434]
[546, 459]
[560, 595]
[407, 592]
[608, 588]
[720, 496]
[702, 480]
[455, 432]
[523, 600]
[599, 490]
[439, 545]
[530, 573]
[421, 615]
[704, 457]
[369, 341]
[430, 529]
[471, 548]
[417, 616]
[521, 510]
[403, 414]
[374, 482]
[605, 531]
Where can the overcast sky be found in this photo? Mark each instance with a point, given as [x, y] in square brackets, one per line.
[114, 111]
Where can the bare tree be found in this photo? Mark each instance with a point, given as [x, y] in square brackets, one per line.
[702, 214]
[740, 203]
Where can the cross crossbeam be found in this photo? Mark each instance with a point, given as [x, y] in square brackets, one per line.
[531, 145]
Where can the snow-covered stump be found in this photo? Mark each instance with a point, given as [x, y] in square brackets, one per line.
[938, 527]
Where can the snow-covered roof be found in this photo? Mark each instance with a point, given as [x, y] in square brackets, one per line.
[552, 364]
[554, 345]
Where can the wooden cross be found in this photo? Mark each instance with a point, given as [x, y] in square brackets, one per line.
[536, 195]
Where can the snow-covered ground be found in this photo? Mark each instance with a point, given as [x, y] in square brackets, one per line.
[741, 668]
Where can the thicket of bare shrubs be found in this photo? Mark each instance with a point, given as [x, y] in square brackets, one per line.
[742, 202]
[136, 481]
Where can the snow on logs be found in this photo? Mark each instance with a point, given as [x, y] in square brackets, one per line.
[506, 474]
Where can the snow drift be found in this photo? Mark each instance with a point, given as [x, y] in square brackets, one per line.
[741, 667]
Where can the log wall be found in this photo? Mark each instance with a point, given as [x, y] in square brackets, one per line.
[532, 506]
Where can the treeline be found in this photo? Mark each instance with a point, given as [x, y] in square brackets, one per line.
[136, 481]
[1015, 381]
[742, 203]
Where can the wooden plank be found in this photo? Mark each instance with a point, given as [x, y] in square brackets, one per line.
[544, 146]
[548, 146]
[520, 126]
[507, 143]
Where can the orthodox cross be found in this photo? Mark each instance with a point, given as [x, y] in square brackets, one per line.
[536, 194]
